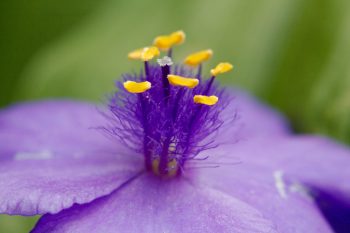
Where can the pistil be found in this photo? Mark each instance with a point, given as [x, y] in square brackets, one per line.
[165, 64]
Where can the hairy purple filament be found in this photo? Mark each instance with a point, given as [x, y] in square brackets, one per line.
[163, 123]
[146, 69]
[146, 149]
[199, 72]
[210, 83]
[166, 85]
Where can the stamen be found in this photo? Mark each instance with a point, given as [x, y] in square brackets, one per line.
[171, 169]
[136, 54]
[176, 103]
[221, 68]
[178, 37]
[149, 53]
[165, 63]
[155, 166]
[165, 42]
[144, 54]
[197, 58]
[207, 89]
[177, 80]
[164, 157]
[206, 100]
[199, 72]
[168, 125]
[146, 139]
[146, 70]
[137, 87]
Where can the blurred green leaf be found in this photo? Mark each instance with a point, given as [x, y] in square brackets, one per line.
[303, 57]
[27, 26]
[16, 224]
[85, 63]
[330, 98]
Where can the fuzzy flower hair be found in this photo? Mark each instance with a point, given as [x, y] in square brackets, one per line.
[171, 161]
[168, 113]
[164, 123]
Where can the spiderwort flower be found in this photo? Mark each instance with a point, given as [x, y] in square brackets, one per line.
[182, 155]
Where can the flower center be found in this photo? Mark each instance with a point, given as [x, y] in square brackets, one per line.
[167, 112]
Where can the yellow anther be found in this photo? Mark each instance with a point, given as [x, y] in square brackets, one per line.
[197, 58]
[155, 166]
[172, 167]
[176, 80]
[149, 53]
[165, 42]
[178, 37]
[207, 100]
[221, 68]
[137, 87]
[136, 54]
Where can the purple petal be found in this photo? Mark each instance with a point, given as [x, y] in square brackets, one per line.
[298, 182]
[51, 158]
[64, 127]
[256, 118]
[148, 204]
[251, 119]
[245, 118]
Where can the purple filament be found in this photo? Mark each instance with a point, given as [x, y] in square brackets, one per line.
[166, 85]
[210, 83]
[199, 72]
[146, 69]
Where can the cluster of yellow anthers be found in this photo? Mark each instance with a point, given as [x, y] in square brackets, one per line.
[165, 43]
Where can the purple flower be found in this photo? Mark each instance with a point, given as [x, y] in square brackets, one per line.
[170, 162]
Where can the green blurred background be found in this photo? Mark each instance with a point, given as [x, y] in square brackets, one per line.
[293, 54]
